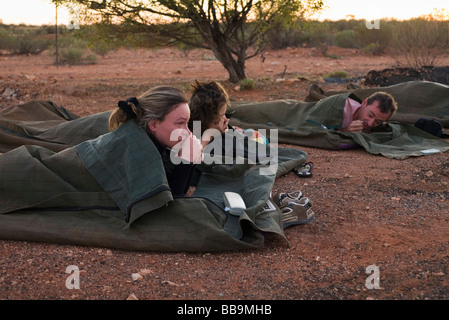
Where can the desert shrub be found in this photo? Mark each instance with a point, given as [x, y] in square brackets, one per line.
[73, 50]
[318, 33]
[338, 74]
[5, 39]
[28, 45]
[302, 33]
[279, 38]
[346, 39]
[72, 55]
[101, 48]
[247, 84]
[373, 48]
[332, 56]
[22, 41]
[375, 41]
[421, 41]
[91, 59]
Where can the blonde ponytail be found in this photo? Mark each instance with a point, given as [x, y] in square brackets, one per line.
[156, 103]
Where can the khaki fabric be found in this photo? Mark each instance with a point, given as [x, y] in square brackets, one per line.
[111, 191]
[45, 124]
[416, 99]
[313, 123]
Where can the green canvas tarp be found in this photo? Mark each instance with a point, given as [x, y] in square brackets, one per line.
[65, 179]
[416, 99]
[111, 191]
[312, 123]
[46, 124]
[297, 122]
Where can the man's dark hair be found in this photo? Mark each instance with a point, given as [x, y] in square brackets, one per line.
[387, 104]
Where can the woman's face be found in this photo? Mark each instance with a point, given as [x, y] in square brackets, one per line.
[176, 119]
[221, 124]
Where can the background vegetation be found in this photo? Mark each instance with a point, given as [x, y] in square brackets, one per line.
[415, 43]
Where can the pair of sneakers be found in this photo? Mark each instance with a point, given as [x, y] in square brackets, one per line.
[295, 208]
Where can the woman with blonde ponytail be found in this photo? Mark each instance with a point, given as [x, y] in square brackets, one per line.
[163, 113]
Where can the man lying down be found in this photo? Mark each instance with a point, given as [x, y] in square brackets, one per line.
[371, 113]
[365, 118]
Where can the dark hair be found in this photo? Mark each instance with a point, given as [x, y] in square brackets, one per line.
[205, 103]
[387, 104]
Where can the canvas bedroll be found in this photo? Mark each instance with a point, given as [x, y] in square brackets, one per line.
[112, 192]
[312, 123]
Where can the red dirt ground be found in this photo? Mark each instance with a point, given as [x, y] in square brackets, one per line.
[370, 210]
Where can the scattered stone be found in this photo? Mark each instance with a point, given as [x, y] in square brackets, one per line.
[9, 92]
[144, 272]
[170, 283]
[72, 90]
[136, 276]
[132, 296]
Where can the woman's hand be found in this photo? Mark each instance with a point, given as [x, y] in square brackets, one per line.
[190, 148]
[221, 125]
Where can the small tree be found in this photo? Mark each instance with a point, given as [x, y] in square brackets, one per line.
[227, 28]
[422, 41]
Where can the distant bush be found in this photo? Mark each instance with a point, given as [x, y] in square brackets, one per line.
[375, 41]
[338, 74]
[346, 39]
[317, 33]
[247, 84]
[73, 51]
[421, 42]
[72, 55]
[373, 49]
[27, 44]
[5, 39]
[280, 39]
[22, 41]
[91, 59]
[101, 48]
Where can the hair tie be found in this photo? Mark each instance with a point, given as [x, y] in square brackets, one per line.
[124, 105]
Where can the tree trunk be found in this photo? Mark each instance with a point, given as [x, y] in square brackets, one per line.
[235, 68]
[236, 71]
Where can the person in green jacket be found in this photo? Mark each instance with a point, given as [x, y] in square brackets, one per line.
[163, 113]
